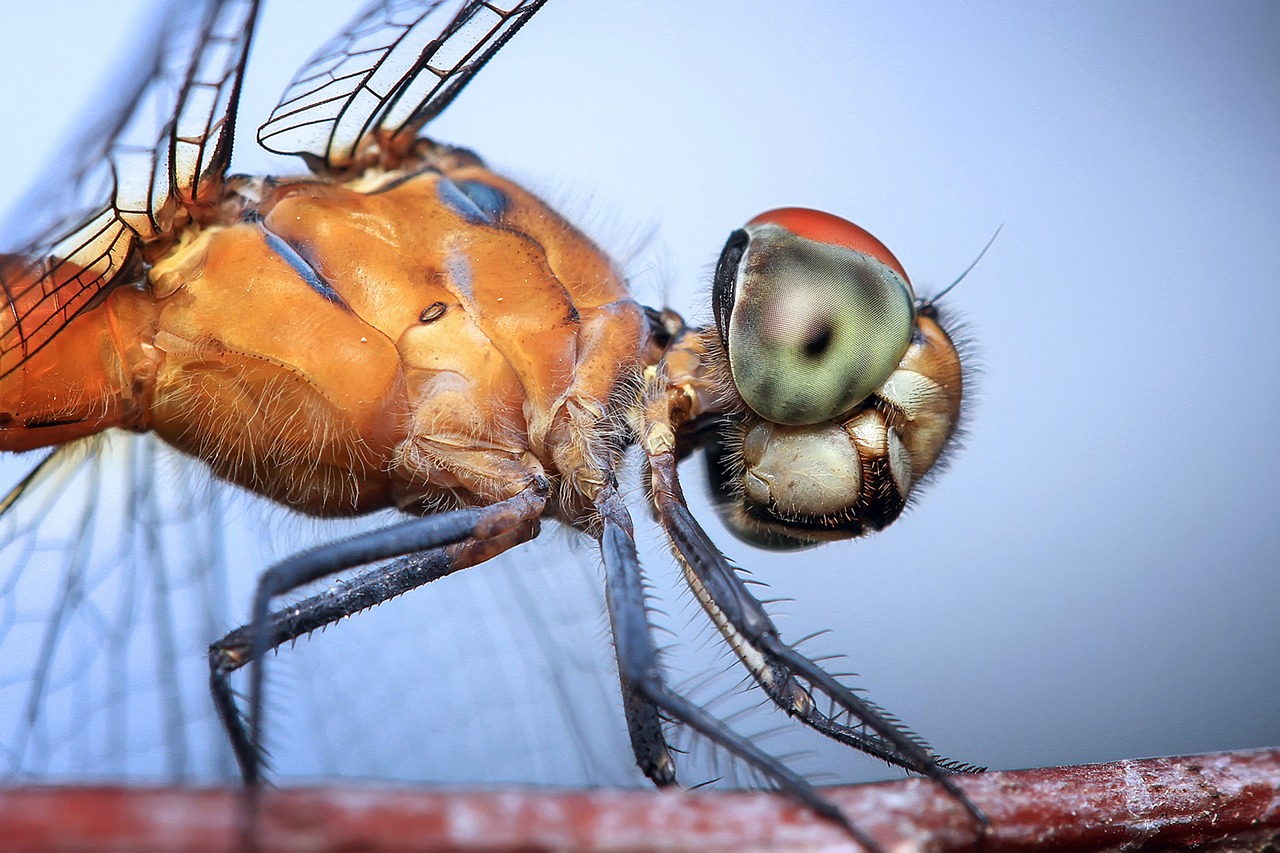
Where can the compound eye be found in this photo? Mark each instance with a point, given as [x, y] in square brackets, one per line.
[815, 313]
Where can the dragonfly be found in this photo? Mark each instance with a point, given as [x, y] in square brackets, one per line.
[402, 328]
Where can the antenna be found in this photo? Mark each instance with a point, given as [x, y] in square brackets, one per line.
[932, 299]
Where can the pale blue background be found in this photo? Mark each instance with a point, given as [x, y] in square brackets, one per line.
[1098, 574]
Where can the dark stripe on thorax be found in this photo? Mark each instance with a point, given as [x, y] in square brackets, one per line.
[293, 256]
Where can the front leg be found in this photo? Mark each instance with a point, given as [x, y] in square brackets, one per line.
[792, 681]
[644, 685]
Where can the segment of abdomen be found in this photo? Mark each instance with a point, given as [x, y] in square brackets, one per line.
[96, 374]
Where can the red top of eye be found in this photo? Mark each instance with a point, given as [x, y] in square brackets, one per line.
[826, 228]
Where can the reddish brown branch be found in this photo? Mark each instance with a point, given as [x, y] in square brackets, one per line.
[1227, 799]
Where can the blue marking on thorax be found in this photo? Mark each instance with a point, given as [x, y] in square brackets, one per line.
[478, 203]
[458, 266]
[304, 270]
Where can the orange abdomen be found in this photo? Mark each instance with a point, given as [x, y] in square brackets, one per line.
[96, 374]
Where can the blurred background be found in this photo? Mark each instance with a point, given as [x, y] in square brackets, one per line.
[1095, 577]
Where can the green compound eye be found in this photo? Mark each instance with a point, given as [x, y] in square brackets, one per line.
[815, 314]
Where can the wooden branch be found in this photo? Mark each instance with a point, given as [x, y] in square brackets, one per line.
[1223, 800]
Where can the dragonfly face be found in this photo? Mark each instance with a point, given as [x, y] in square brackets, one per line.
[849, 389]
[405, 328]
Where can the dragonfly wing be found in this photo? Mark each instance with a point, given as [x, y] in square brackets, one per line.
[121, 560]
[200, 140]
[112, 555]
[160, 149]
[395, 67]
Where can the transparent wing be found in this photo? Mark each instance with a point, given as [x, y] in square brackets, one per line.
[156, 151]
[121, 560]
[393, 69]
[111, 560]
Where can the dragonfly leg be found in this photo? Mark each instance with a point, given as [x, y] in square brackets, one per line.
[441, 544]
[791, 680]
[643, 685]
[382, 583]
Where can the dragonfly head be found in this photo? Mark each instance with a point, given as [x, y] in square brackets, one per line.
[848, 390]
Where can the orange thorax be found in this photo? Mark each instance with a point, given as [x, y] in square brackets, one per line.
[430, 339]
